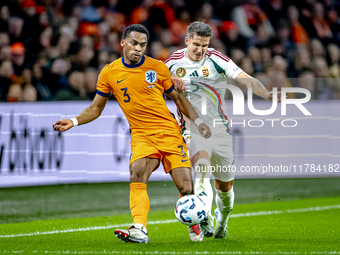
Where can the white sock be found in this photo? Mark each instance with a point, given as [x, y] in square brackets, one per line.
[202, 186]
[225, 203]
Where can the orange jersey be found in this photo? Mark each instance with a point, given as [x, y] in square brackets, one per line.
[139, 91]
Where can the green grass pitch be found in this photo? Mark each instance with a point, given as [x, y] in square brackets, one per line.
[287, 216]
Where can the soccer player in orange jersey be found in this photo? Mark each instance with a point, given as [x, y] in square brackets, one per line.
[138, 83]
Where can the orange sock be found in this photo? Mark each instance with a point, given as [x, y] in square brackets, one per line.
[139, 202]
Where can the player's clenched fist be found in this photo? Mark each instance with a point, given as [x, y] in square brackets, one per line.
[62, 125]
[204, 130]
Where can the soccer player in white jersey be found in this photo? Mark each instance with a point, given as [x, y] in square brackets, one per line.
[197, 60]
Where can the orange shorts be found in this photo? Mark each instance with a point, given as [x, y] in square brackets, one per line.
[170, 148]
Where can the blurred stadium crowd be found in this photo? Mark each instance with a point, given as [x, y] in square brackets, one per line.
[55, 49]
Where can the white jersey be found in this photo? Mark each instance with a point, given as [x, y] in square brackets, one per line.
[200, 78]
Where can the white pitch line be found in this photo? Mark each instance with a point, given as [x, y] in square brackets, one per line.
[250, 214]
[174, 252]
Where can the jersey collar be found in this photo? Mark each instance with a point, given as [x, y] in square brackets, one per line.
[134, 66]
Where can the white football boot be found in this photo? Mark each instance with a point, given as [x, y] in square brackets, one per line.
[133, 235]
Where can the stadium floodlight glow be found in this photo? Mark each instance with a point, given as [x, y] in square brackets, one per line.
[238, 100]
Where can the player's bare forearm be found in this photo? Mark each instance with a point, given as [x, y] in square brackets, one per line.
[258, 88]
[89, 114]
[183, 105]
[186, 108]
[250, 82]
[93, 111]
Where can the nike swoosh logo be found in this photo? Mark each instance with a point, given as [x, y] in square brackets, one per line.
[120, 80]
[185, 160]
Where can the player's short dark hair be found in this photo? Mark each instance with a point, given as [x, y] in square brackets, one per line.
[199, 28]
[135, 27]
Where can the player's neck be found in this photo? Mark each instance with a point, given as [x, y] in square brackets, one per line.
[132, 64]
[196, 61]
[191, 59]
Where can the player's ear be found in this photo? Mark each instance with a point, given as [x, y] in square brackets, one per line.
[122, 42]
[187, 40]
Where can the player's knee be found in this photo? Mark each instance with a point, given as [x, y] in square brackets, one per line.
[138, 176]
[224, 186]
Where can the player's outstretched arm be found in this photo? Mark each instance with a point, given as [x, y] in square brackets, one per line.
[184, 106]
[258, 88]
[87, 115]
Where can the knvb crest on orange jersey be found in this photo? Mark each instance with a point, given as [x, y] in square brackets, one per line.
[151, 76]
[205, 71]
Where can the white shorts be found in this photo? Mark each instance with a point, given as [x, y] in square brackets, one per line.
[220, 150]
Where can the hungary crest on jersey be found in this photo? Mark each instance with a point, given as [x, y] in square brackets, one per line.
[205, 71]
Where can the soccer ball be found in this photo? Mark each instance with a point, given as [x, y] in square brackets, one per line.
[190, 210]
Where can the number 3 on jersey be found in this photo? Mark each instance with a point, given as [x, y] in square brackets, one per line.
[184, 154]
[126, 95]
